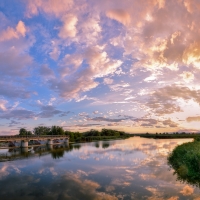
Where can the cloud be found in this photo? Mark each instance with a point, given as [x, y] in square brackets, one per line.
[193, 119]
[119, 87]
[100, 63]
[13, 90]
[69, 27]
[11, 33]
[187, 190]
[70, 89]
[48, 111]
[108, 81]
[3, 104]
[21, 28]
[152, 121]
[69, 64]
[82, 79]
[55, 53]
[187, 76]
[46, 71]
[164, 100]
[50, 7]
[19, 114]
[119, 15]
[13, 63]
[155, 123]
[99, 119]
[146, 52]
[13, 123]
[170, 123]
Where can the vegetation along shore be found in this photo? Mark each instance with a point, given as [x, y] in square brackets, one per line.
[92, 135]
[184, 160]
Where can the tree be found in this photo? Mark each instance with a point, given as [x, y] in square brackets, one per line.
[57, 130]
[24, 132]
[42, 130]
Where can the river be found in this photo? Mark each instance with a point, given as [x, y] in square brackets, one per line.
[135, 168]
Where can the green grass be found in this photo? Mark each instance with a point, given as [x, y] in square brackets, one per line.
[185, 160]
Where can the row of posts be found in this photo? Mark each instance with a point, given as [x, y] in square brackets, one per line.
[24, 143]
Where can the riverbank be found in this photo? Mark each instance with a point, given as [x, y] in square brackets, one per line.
[184, 159]
[168, 136]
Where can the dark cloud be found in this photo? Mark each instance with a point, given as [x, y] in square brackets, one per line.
[150, 121]
[48, 111]
[170, 123]
[12, 63]
[157, 123]
[13, 123]
[46, 71]
[13, 90]
[18, 114]
[88, 125]
[100, 119]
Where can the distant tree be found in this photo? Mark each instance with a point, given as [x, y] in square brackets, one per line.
[29, 133]
[57, 130]
[24, 132]
[70, 134]
[42, 130]
[92, 132]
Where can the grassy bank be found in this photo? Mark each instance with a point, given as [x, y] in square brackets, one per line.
[185, 160]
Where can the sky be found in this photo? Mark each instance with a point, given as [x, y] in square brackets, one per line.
[87, 64]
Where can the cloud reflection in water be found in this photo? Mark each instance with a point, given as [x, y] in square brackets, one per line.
[135, 168]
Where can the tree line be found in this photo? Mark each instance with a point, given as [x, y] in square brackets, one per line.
[75, 136]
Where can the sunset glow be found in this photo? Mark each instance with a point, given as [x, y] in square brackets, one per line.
[86, 64]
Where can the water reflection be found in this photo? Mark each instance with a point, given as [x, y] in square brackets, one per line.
[105, 145]
[134, 168]
[57, 151]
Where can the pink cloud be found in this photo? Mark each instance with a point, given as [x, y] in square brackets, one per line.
[51, 7]
[69, 27]
[120, 16]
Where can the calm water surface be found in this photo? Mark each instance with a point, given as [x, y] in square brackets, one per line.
[134, 168]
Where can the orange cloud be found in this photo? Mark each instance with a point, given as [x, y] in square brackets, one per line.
[187, 190]
[21, 28]
[193, 119]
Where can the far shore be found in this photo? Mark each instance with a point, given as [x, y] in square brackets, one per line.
[169, 136]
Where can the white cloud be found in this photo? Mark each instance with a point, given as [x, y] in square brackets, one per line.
[107, 81]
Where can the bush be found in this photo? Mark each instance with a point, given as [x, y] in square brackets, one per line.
[185, 160]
